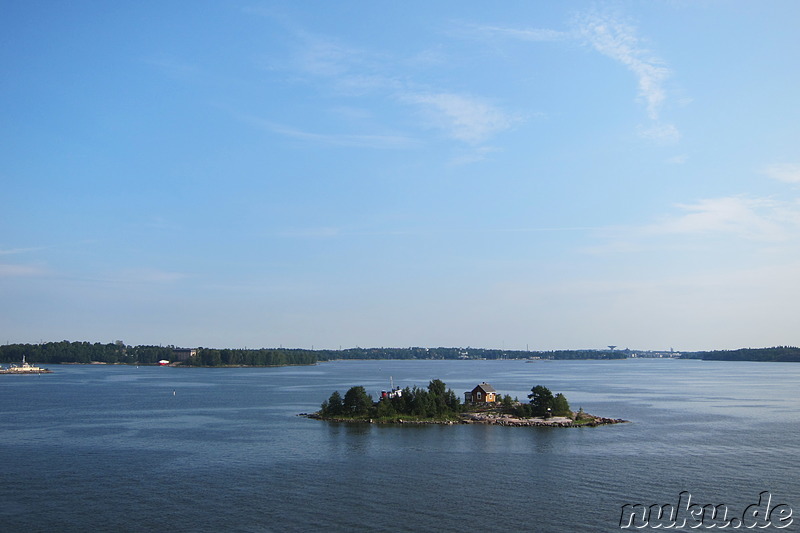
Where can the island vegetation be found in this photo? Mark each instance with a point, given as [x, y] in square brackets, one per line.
[438, 404]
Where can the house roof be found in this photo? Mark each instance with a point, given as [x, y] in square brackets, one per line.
[485, 387]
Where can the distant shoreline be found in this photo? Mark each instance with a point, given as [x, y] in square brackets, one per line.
[67, 352]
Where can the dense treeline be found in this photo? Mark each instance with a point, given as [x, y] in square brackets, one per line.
[584, 354]
[437, 401]
[775, 354]
[260, 357]
[464, 353]
[83, 352]
[118, 352]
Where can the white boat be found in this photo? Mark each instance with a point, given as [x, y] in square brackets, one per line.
[25, 368]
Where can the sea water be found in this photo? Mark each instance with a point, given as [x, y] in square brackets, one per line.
[121, 448]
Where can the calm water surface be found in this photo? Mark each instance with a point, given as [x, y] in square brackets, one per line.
[120, 448]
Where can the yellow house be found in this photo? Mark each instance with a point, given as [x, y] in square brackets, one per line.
[483, 393]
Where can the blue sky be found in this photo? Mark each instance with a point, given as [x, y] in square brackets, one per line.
[527, 174]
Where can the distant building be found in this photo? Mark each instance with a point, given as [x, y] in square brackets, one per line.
[183, 354]
[483, 393]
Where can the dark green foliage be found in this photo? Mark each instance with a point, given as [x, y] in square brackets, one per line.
[257, 357]
[461, 353]
[118, 352]
[357, 402]
[541, 400]
[147, 355]
[584, 354]
[333, 406]
[544, 404]
[523, 410]
[452, 401]
[561, 405]
[421, 403]
[76, 352]
[437, 387]
[437, 401]
[405, 404]
[385, 409]
[777, 354]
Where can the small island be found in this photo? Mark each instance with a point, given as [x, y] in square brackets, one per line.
[440, 405]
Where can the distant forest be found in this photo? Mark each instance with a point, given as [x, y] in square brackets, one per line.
[118, 352]
[776, 354]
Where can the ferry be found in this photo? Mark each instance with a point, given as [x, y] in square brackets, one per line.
[25, 368]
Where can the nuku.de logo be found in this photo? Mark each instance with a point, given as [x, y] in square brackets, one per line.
[694, 515]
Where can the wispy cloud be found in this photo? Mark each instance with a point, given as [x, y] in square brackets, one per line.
[465, 118]
[336, 139]
[663, 133]
[351, 71]
[618, 40]
[711, 222]
[15, 251]
[747, 218]
[333, 232]
[14, 271]
[784, 172]
[678, 159]
[524, 34]
[472, 155]
[147, 276]
[328, 58]
[730, 222]
[323, 233]
[346, 69]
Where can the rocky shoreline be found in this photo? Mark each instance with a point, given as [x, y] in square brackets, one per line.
[488, 419]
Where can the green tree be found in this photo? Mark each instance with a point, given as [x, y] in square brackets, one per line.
[357, 402]
[334, 405]
[541, 401]
[507, 402]
[437, 387]
[422, 404]
[435, 401]
[561, 405]
[452, 401]
[385, 409]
